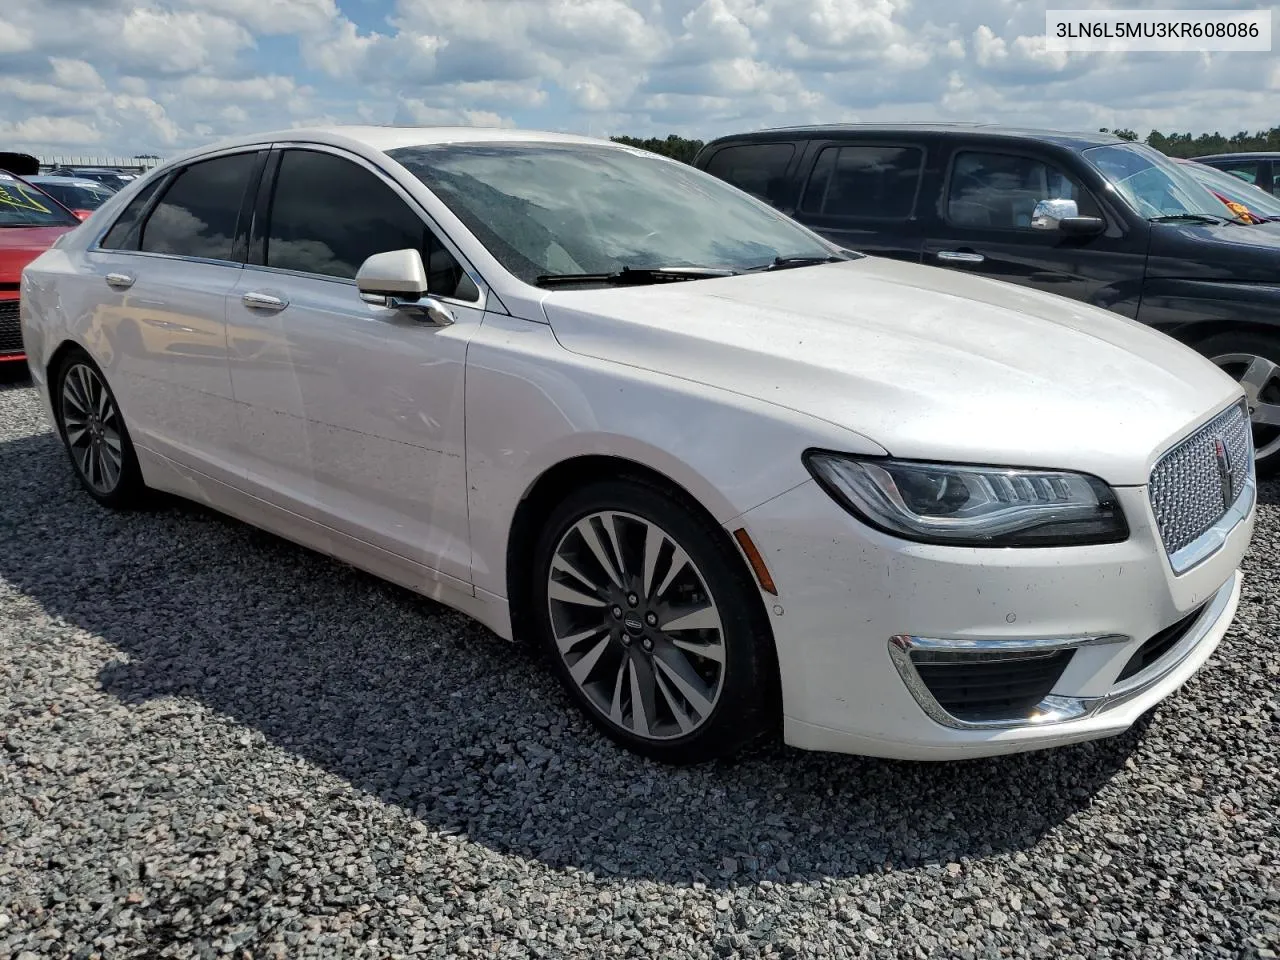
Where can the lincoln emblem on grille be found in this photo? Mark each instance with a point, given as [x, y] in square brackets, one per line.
[1226, 471]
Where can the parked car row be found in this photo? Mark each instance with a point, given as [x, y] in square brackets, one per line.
[728, 474]
[1088, 216]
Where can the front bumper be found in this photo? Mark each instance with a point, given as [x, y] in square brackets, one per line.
[855, 605]
[11, 348]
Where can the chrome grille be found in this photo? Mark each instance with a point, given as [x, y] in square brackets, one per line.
[10, 331]
[1186, 487]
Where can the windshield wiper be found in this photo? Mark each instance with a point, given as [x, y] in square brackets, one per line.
[786, 263]
[635, 275]
[1195, 218]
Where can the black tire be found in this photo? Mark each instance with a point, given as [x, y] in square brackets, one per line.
[1229, 351]
[746, 703]
[126, 487]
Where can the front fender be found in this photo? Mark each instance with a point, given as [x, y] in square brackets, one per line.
[1194, 310]
[531, 405]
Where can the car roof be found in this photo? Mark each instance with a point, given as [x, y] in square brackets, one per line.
[1243, 155]
[1075, 140]
[388, 138]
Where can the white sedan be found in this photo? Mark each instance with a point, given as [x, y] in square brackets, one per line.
[731, 477]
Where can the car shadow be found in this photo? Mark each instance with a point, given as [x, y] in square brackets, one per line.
[13, 375]
[1269, 493]
[417, 705]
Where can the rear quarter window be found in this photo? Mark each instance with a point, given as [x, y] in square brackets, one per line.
[760, 169]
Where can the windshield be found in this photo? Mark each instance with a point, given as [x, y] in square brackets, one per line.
[1255, 199]
[22, 205]
[1152, 183]
[547, 209]
[77, 196]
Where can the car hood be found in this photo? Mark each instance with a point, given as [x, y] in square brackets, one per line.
[926, 362]
[1230, 252]
[20, 245]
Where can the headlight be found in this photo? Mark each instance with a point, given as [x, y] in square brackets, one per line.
[972, 506]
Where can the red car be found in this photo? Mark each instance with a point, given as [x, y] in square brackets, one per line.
[30, 220]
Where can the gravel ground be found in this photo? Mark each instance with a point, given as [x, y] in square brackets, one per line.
[218, 744]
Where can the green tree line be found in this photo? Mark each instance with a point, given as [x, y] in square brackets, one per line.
[1186, 145]
[1172, 144]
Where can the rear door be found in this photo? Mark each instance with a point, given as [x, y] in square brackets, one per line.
[163, 271]
[983, 225]
[866, 194]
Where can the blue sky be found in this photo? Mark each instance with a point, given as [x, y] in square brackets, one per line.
[156, 76]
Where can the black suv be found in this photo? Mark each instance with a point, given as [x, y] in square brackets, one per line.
[1088, 216]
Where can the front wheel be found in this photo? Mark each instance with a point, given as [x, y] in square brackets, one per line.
[652, 623]
[1254, 361]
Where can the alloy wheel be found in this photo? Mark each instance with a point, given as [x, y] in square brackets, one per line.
[1260, 378]
[636, 626]
[92, 427]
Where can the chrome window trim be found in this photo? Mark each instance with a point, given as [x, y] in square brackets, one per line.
[151, 254]
[1212, 540]
[414, 206]
[1055, 708]
[158, 172]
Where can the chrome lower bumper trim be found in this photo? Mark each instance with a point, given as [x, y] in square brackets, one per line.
[1054, 708]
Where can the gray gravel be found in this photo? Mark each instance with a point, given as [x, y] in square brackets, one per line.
[218, 744]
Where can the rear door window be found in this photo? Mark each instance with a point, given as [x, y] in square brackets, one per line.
[1000, 191]
[864, 181]
[760, 169]
[199, 212]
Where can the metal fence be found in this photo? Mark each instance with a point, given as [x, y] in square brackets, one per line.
[136, 164]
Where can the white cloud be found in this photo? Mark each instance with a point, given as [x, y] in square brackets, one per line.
[52, 130]
[158, 75]
[15, 38]
[273, 16]
[153, 40]
[75, 74]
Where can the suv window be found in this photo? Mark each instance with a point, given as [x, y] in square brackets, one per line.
[329, 215]
[1246, 170]
[197, 215]
[864, 181]
[123, 234]
[758, 168]
[1000, 191]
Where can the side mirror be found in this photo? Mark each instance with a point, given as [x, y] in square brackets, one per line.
[82, 214]
[397, 279]
[1064, 216]
[1049, 213]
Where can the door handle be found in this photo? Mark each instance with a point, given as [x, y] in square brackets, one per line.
[263, 301]
[119, 281]
[960, 256]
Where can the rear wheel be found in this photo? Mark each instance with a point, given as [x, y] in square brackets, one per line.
[652, 623]
[1254, 361]
[94, 433]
